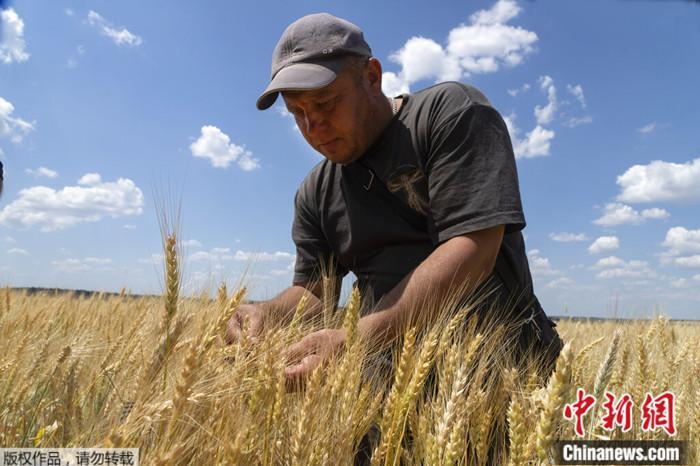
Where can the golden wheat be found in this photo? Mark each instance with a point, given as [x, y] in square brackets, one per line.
[88, 371]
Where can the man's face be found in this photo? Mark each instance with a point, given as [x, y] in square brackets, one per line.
[334, 119]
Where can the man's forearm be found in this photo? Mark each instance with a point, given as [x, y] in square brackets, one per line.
[281, 308]
[460, 263]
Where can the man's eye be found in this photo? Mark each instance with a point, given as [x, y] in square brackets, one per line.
[328, 104]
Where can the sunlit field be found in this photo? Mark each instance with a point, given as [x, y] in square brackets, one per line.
[153, 373]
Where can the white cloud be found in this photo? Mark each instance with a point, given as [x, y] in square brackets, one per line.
[514, 92]
[97, 260]
[69, 12]
[680, 283]
[203, 256]
[577, 91]
[423, 58]
[545, 114]
[130, 226]
[696, 277]
[12, 44]
[193, 243]
[72, 60]
[568, 237]
[119, 36]
[655, 213]
[78, 265]
[680, 241]
[577, 121]
[647, 128]
[282, 111]
[49, 209]
[224, 254]
[535, 144]
[690, 261]
[215, 254]
[90, 179]
[661, 181]
[621, 214]
[560, 283]
[683, 247]
[69, 265]
[215, 145]
[154, 259]
[631, 269]
[13, 128]
[248, 163]
[488, 41]
[539, 266]
[17, 252]
[501, 12]
[42, 172]
[482, 46]
[610, 261]
[604, 243]
[262, 256]
[393, 85]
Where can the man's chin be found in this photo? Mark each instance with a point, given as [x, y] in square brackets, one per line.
[341, 159]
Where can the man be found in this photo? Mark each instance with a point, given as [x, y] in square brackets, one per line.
[418, 193]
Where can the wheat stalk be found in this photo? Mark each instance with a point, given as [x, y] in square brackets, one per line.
[299, 442]
[555, 396]
[352, 315]
[397, 388]
[517, 432]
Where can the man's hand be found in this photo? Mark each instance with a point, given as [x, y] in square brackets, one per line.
[310, 352]
[255, 315]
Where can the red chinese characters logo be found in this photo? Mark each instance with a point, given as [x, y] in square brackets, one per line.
[617, 413]
[656, 412]
[578, 409]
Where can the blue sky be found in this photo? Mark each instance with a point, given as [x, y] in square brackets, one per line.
[103, 105]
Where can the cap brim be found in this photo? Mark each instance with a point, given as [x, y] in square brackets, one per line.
[299, 77]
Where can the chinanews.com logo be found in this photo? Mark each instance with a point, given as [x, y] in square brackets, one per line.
[657, 413]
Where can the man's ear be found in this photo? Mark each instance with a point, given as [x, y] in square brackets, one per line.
[374, 75]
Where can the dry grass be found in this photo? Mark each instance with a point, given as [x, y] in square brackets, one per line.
[152, 372]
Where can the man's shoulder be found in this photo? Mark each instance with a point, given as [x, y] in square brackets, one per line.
[433, 107]
[314, 180]
[450, 94]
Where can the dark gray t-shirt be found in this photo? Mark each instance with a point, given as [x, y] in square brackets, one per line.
[443, 167]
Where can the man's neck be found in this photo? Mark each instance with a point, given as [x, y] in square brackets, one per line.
[385, 114]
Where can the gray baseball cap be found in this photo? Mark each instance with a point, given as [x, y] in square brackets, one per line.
[310, 54]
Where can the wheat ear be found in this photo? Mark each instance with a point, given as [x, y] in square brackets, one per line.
[557, 389]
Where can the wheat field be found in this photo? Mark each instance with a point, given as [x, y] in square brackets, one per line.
[153, 373]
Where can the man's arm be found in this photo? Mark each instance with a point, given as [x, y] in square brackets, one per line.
[470, 257]
[283, 305]
[280, 309]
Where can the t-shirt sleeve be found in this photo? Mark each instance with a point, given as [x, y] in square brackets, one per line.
[471, 174]
[313, 253]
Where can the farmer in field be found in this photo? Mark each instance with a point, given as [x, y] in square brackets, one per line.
[417, 192]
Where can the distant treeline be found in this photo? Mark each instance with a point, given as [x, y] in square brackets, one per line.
[108, 294]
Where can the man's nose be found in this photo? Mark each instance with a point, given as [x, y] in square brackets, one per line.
[313, 122]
